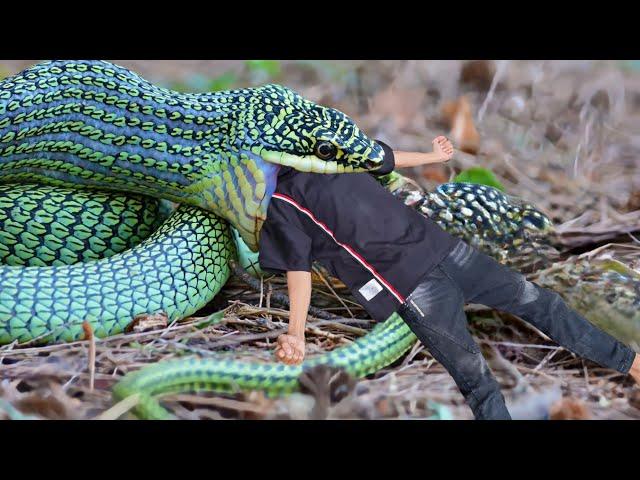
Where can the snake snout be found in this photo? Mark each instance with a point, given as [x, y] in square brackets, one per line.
[534, 219]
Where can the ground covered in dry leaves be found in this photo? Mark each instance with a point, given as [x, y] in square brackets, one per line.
[563, 135]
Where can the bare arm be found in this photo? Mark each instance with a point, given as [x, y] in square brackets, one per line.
[290, 349]
[442, 152]
[299, 285]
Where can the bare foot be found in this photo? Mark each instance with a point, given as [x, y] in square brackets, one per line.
[635, 369]
[442, 146]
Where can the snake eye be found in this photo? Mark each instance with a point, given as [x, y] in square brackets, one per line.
[325, 150]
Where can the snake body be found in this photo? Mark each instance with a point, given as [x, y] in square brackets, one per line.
[57, 226]
[91, 130]
[177, 270]
[94, 125]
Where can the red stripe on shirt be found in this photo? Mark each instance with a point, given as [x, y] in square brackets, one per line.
[348, 248]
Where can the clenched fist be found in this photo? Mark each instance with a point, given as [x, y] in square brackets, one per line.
[443, 147]
[290, 349]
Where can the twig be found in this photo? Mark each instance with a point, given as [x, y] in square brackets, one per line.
[324, 280]
[321, 333]
[502, 65]
[217, 402]
[343, 327]
[586, 376]
[547, 358]
[88, 335]
[269, 293]
[521, 383]
[78, 344]
[279, 298]
[354, 305]
[261, 291]
[522, 177]
[7, 348]
[120, 408]
[246, 338]
[417, 347]
[518, 345]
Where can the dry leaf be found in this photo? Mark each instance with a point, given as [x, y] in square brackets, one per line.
[147, 322]
[569, 409]
[478, 74]
[553, 133]
[448, 111]
[457, 114]
[604, 93]
[335, 283]
[401, 106]
[634, 201]
[261, 401]
[435, 173]
[51, 402]
[383, 407]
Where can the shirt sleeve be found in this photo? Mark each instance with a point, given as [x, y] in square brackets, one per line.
[284, 245]
[389, 160]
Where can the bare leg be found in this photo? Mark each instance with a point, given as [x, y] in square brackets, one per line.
[635, 369]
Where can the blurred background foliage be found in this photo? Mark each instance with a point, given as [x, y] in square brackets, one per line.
[562, 134]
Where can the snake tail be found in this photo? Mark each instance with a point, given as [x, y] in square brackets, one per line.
[386, 343]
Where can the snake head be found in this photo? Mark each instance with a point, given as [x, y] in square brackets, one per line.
[292, 131]
[473, 208]
[266, 128]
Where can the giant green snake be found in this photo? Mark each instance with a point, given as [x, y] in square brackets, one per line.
[84, 145]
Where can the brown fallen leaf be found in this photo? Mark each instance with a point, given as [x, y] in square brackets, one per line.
[50, 402]
[383, 407]
[457, 114]
[401, 106]
[634, 201]
[478, 73]
[553, 133]
[261, 401]
[435, 173]
[569, 409]
[448, 111]
[147, 322]
[335, 283]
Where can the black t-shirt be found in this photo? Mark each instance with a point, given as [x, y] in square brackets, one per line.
[375, 244]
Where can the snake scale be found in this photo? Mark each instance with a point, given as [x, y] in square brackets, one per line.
[87, 150]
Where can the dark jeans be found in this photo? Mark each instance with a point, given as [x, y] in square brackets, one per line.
[434, 311]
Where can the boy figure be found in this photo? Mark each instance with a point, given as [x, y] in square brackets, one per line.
[394, 259]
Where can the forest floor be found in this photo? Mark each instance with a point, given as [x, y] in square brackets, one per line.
[564, 136]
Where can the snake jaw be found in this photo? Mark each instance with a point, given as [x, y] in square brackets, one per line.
[304, 163]
[312, 164]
